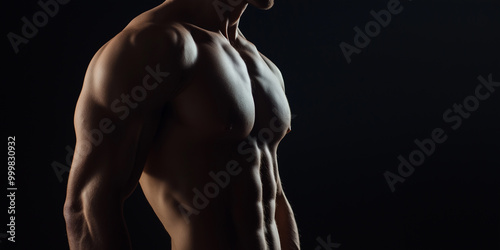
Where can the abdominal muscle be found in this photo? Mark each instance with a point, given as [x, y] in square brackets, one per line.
[211, 196]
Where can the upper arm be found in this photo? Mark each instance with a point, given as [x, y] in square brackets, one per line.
[126, 86]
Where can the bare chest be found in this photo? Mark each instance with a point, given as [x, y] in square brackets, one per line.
[234, 93]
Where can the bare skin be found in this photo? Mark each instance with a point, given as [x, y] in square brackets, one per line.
[182, 104]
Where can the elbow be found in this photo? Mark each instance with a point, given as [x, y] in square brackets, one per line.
[72, 210]
[76, 226]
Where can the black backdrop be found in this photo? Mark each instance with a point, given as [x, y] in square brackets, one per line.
[353, 120]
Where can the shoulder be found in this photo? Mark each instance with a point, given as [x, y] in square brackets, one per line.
[148, 43]
[123, 61]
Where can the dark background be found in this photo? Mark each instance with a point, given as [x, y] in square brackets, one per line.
[353, 120]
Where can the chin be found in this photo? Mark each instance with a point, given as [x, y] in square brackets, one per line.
[262, 4]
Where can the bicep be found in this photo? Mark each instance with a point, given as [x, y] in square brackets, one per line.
[109, 153]
[116, 118]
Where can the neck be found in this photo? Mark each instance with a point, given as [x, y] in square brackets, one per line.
[222, 16]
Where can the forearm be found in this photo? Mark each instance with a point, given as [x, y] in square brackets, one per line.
[96, 227]
[287, 227]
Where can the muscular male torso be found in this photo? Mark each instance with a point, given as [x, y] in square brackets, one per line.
[210, 171]
[232, 112]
